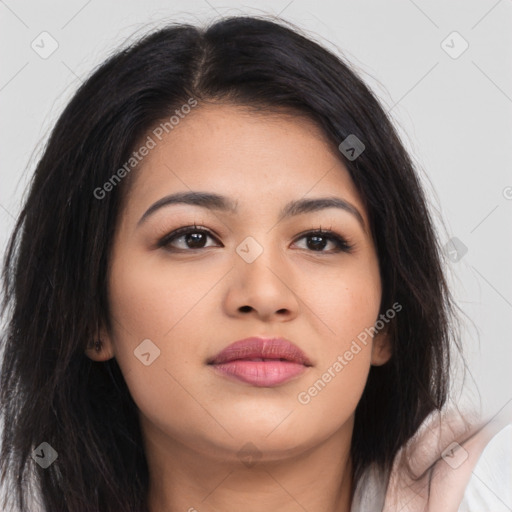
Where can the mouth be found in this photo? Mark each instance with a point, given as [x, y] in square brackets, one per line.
[261, 362]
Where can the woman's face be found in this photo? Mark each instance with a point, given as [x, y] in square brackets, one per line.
[253, 274]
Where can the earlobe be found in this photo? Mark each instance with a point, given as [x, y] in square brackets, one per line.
[381, 348]
[100, 349]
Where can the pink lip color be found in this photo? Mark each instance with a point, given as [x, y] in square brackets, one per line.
[277, 361]
[261, 373]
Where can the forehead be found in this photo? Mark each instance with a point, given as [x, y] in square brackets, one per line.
[257, 158]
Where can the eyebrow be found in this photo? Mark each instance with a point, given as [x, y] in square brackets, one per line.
[220, 203]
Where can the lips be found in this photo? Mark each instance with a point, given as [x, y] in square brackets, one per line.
[261, 362]
[261, 349]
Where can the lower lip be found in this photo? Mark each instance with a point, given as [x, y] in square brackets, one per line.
[261, 373]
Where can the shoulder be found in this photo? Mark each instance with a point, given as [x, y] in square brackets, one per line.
[490, 485]
[445, 465]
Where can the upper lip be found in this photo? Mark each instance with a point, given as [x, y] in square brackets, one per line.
[257, 347]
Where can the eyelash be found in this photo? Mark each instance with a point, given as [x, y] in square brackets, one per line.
[342, 245]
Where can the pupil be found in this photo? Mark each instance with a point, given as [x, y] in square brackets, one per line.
[196, 240]
[315, 241]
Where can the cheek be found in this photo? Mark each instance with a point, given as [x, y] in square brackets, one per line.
[149, 298]
[155, 310]
[348, 305]
[347, 300]
[337, 382]
[331, 396]
[148, 312]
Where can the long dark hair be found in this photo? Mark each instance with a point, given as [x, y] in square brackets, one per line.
[55, 289]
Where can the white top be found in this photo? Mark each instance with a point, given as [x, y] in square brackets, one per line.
[488, 487]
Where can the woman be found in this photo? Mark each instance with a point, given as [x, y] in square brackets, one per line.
[225, 290]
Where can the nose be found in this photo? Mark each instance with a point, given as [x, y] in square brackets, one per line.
[264, 288]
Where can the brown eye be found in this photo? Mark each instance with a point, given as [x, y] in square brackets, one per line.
[189, 237]
[318, 240]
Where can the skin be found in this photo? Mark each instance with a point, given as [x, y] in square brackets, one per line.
[193, 304]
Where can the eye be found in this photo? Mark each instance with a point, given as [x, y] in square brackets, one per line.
[191, 237]
[319, 238]
[194, 237]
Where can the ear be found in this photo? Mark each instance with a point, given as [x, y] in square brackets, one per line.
[381, 348]
[102, 351]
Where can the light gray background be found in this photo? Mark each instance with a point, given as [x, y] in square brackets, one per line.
[454, 115]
